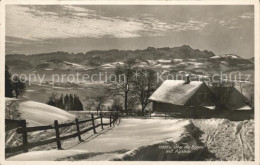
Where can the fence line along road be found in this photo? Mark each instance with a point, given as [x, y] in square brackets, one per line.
[24, 130]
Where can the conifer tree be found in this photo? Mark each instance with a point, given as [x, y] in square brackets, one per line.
[71, 102]
[8, 83]
[60, 103]
[66, 102]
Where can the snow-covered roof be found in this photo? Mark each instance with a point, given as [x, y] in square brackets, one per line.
[9, 101]
[244, 108]
[175, 91]
[210, 107]
[236, 100]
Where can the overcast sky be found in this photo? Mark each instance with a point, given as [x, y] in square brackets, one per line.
[49, 28]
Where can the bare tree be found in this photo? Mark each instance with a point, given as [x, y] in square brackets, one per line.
[133, 104]
[99, 102]
[122, 85]
[117, 105]
[90, 105]
[145, 84]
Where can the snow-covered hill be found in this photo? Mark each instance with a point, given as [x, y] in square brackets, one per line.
[232, 56]
[38, 114]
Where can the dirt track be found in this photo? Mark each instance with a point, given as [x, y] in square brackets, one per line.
[228, 140]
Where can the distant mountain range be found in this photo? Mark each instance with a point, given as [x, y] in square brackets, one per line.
[108, 59]
[182, 52]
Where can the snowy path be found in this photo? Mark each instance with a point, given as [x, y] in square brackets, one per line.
[130, 134]
[223, 139]
[111, 142]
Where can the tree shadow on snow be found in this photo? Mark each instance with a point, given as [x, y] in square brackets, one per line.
[91, 137]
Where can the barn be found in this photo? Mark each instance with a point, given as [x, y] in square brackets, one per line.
[184, 98]
[239, 106]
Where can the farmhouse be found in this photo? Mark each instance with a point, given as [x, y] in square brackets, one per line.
[186, 98]
[194, 99]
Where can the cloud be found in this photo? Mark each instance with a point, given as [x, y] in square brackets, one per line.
[43, 22]
[247, 16]
[11, 41]
[233, 23]
[228, 22]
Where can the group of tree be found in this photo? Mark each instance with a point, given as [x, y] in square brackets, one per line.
[96, 103]
[116, 105]
[67, 102]
[135, 85]
[14, 86]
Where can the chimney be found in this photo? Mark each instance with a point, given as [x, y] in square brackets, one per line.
[187, 78]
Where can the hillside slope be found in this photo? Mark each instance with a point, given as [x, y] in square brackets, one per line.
[38, 114]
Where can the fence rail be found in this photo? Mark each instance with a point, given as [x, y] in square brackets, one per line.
[55, 126]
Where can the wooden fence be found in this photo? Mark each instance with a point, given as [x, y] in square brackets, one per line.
[24, 130]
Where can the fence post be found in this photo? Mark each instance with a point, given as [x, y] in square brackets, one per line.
[110, 120]
[25, 139]
[77, 125]
[101, 121]
[56, 126]
[93, 123]
[114, 120]
[117, 117]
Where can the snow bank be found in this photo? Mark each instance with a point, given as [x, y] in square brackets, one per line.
[170, 149]
[38, 114]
